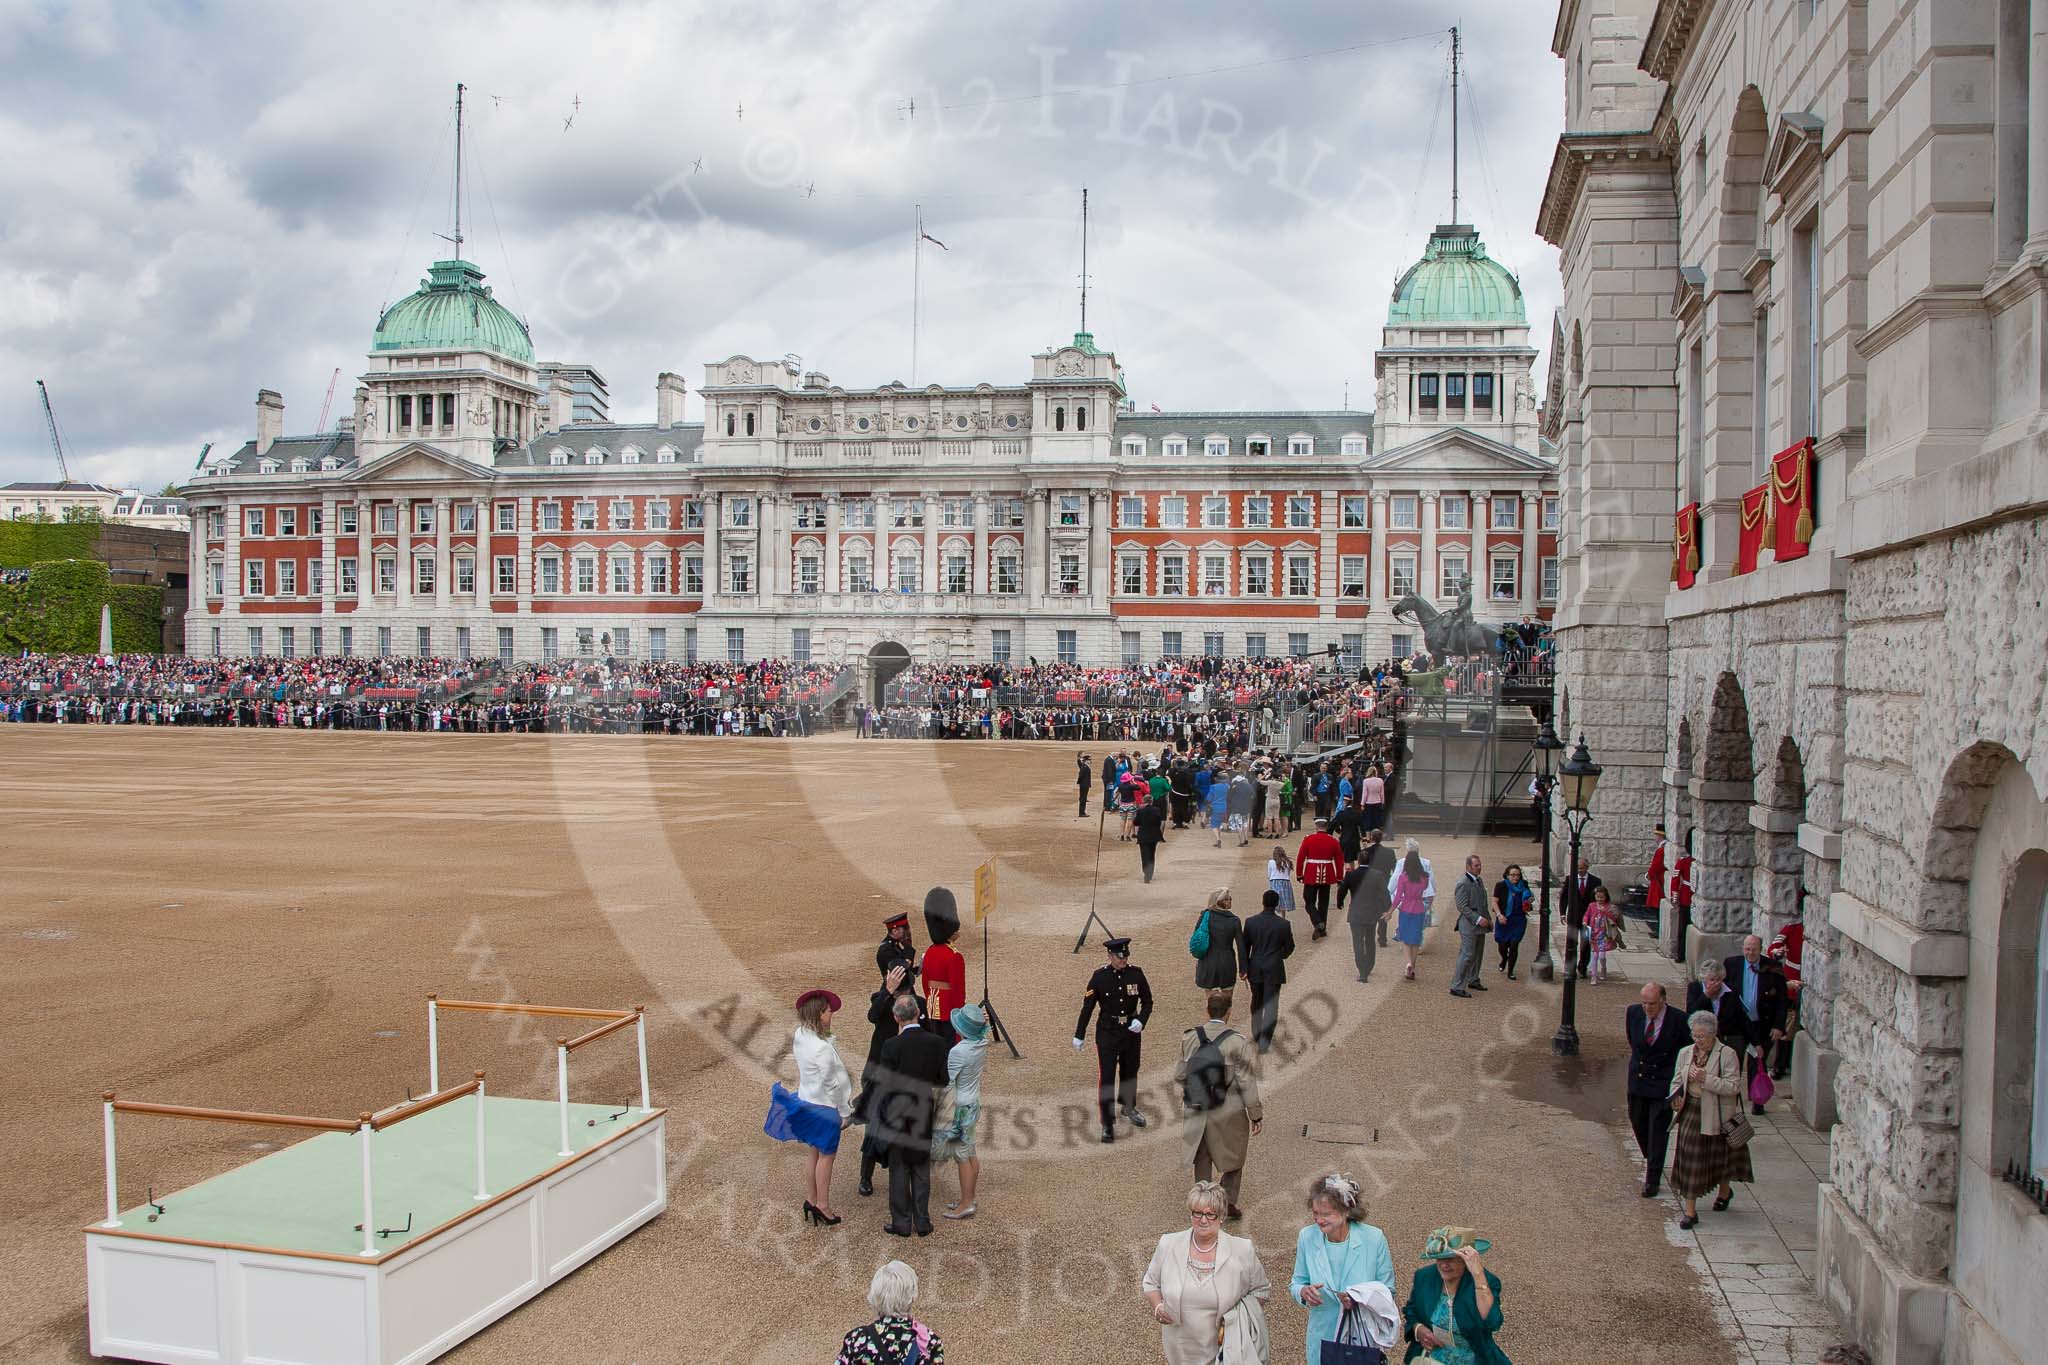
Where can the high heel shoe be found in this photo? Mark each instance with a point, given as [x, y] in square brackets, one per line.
[959, 1212]
[811, 1214]
[829, 1220]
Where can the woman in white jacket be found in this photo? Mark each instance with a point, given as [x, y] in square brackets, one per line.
[822, 1104]
[1208, 1290]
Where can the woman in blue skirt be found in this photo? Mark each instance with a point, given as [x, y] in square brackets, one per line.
[822, 1104]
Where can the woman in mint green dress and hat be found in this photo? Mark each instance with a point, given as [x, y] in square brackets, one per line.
[1334, 1254]
[960, 1112]
[1453, 1306]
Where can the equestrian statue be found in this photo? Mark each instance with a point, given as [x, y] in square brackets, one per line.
[1452, 634]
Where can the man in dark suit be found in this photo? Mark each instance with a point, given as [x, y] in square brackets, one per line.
[1577, 896]
[1713, 994]
[1148, 825]
[1760, 985]
[1084, 778]
[913, 1067]
[1268, 943]
[1657, 1034]
[1365, 887]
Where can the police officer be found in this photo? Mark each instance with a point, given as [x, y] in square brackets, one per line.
[1125, 999]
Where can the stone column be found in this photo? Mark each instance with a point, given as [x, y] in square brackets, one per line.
[1532, 560]
[402, 580]
[366, 531]
[1034, 549]
[1723, 876]
[486, 554]
[1099, 573]
[328, 568]
[714, 569]
[444, 561]
[1427, 580]
[2037, 127]
[834, 519]
[1376, 569]
[929, 578]
[231, 566]
[522, 567]
[980, 571]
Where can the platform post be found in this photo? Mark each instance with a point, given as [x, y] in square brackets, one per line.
[433, 1045]
[640, 1028]
[113, 1186]
[369, 1215]
[562, 1084]
[481, 1192]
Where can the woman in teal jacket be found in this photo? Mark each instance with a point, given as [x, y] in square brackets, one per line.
[1453, 1306]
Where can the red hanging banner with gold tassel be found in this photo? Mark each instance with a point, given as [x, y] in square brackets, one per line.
[1685, 546]
[1789, 508]
[1756, 528]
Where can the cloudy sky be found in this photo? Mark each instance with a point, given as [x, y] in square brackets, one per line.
[200, 200]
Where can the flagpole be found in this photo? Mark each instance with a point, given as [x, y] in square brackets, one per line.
[916, 253]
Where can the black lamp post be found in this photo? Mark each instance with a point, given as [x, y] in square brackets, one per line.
[1548, 745]
[1579, 776]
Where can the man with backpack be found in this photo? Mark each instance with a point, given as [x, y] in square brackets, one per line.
[1221, 1112]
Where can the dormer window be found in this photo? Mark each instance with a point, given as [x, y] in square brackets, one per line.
[1258, 448]
[1354, 445]
[329, 465]
[665, 455]
[630, 455]
[1174, 447]
[594, 455]
[266, 466]
[558, 456]
[300, 466]
[1218, 446]
[1134, 447]
[1301, 445]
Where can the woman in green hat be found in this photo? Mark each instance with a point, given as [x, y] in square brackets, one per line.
[1453, 1306]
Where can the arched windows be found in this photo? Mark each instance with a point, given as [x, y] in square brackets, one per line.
[1059, 417]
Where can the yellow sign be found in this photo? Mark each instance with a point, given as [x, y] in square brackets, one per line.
[984, 890]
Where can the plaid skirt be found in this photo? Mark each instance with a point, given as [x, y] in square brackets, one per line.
[1703, 1161]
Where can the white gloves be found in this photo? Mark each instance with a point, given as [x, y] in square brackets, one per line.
[1077, 1045]
[1137, 1025]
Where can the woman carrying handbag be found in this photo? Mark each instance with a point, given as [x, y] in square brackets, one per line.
[1712, 1131]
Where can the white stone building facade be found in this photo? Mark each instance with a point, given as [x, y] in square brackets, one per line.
[1843, 208]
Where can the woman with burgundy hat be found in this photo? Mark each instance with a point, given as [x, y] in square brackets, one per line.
[822, 1104]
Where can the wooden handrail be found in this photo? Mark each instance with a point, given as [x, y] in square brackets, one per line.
[600, 1031]
[497, 1007]
[414, 1108]
[185, 1111]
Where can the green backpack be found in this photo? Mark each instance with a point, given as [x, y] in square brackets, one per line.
[1198, 942]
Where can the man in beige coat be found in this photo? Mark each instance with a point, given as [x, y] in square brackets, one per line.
[1219, 1081]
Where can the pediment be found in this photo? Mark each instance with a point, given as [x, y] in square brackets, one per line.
[1459, 451]
[419, 463]
[1794, 151]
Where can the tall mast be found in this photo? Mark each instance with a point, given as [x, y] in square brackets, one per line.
[458, 149]
[1454, 123]
[1084, 259]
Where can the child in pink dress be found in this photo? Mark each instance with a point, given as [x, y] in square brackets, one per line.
[1601, 925]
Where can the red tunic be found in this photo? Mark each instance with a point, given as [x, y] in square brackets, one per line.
[944, 980]
[1681, 881]
[1320, 861]
[1656, 876]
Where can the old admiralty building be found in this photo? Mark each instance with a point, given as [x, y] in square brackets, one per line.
[478, 503]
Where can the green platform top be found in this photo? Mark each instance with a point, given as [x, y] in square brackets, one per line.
[1456, 281]
[453, 309]
[308, 1197]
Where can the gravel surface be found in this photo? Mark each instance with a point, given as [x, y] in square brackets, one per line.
[249, 919]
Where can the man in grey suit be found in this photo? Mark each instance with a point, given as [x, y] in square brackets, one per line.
[1474, 919]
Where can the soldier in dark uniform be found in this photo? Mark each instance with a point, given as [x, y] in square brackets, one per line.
[896, 947]
[1125, 999]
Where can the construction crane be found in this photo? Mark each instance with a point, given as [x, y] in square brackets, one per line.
[329, 402]
[56, 442]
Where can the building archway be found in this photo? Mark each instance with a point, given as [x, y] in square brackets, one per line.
[1678, 827]
[1779, 877]
[885, 661]
[1725, 845]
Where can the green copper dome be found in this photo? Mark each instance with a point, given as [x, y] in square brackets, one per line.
[1456, 281]
[453, 309]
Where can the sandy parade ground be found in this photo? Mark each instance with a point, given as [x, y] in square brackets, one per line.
[254, 919]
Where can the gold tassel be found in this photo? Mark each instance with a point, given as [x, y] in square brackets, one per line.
[1770, 518]
[1692, 557]
[1802, 529]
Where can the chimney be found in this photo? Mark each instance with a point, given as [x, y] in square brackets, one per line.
[269, 418]
[668, 400]
[561, 401]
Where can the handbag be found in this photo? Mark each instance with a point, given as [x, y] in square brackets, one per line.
[1198, 942]
[1738, 1131]
[1351, 1345]
[1760, 1087]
